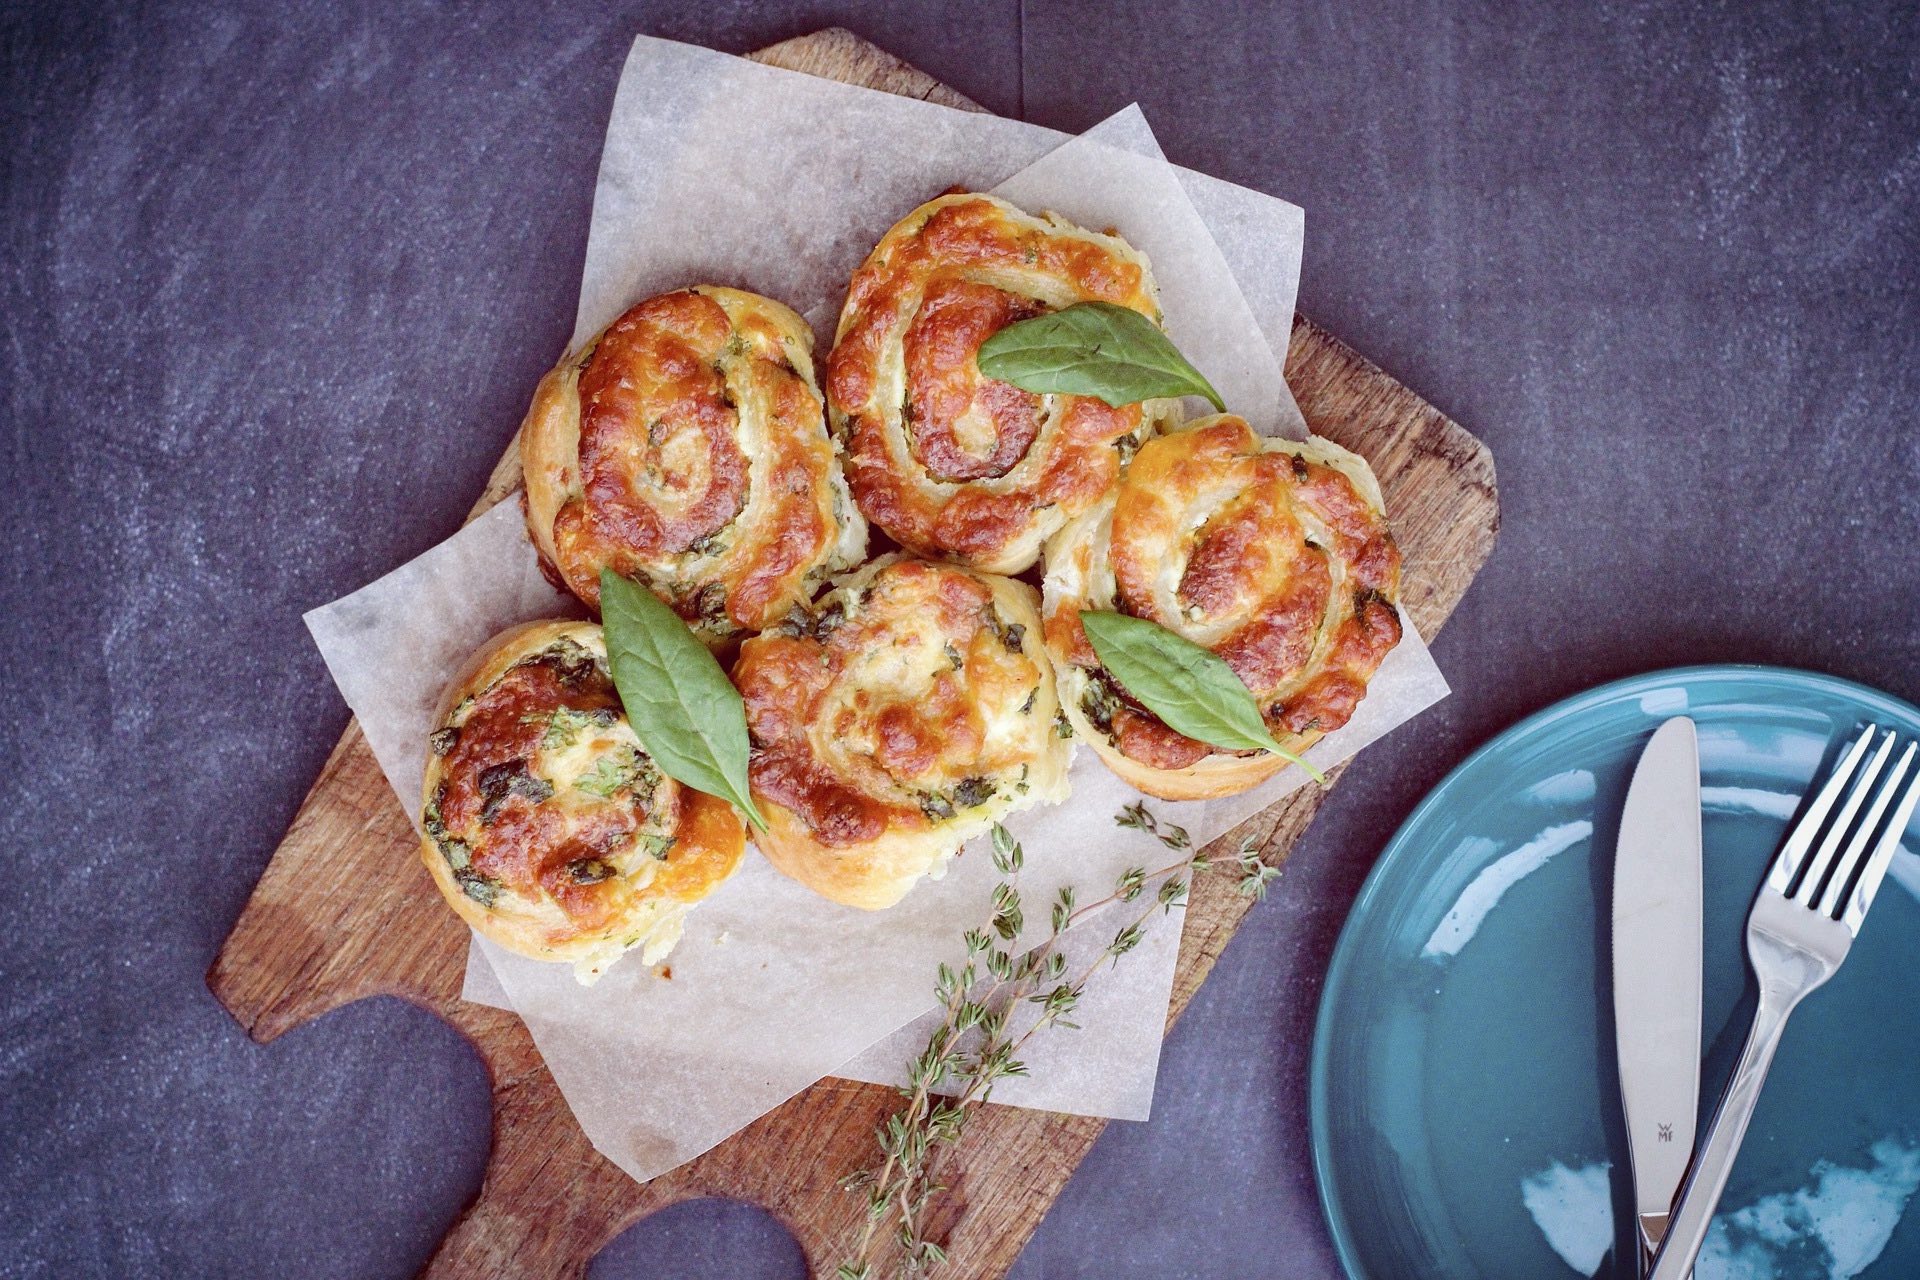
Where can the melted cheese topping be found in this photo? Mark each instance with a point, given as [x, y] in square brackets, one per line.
[1273, 554]
[946, 461]
[687, 447]
[545, 816]
[908, 711]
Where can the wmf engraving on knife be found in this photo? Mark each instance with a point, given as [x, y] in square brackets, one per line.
[1656, 968]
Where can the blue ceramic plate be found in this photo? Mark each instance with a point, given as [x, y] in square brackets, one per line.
[1465, 1103]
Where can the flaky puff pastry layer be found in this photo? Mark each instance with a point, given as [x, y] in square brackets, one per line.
[950, 463]
[547, 828]
[686, 446]
[907, 712]
[1274, 554]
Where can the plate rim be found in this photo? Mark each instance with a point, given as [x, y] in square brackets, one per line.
[1391, 854]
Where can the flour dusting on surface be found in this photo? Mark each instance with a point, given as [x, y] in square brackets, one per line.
[1574, 1210]
[1834, 1228]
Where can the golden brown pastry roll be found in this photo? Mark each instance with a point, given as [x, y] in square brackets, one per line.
[910, 709]
[547, 827]
[686, 446]
[947, 462]
[1274, 554]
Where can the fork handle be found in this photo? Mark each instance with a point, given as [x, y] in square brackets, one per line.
[1707, 1178]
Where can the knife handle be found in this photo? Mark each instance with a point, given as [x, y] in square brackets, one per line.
[1700, 1193]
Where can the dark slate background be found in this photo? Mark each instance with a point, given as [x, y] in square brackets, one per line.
[278, 279]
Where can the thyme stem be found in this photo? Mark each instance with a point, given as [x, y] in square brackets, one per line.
[913, 1139]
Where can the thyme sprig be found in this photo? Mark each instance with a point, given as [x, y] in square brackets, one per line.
[976, 1045]
[1255, 874]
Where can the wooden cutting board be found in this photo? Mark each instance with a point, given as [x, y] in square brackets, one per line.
[344, 910]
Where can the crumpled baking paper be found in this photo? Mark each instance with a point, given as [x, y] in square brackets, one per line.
[718, 169]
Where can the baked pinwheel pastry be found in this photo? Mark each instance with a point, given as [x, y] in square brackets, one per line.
[905, 713]
[547, 827]
[948, 462]
[1274, 554]
[685, 447]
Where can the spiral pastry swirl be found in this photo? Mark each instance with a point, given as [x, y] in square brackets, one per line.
[910, 709]
[1273, 554]
[685, 446]
[950, 463]
[547, 828]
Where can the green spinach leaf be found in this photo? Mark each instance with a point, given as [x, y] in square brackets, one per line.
[1192, 690]
[682, 707]
[1096, 349]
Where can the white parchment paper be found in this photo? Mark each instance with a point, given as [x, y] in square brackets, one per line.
[393, 645]
[773, 987]
[720, 169]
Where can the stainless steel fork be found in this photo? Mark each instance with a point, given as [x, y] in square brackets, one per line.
[1803, 921]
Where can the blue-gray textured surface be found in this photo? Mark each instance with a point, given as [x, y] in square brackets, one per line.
[278, 278]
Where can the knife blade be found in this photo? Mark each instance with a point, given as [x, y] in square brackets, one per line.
[1656, 968]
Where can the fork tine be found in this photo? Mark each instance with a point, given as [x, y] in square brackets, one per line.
[1800, 839]
[1807, 892]
[1834, 896]
[1876, 869]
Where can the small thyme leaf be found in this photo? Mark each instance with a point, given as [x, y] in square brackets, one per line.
[1255, 873]
[1136, 817]
[1006, 851]
[1007, 919]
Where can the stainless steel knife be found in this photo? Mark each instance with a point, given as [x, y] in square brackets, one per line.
[1656, 968]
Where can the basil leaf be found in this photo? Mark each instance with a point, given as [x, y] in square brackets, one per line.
[1192, 690]
[682, 707]
[1093, 349]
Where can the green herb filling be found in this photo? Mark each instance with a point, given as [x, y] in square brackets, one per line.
[501, 782]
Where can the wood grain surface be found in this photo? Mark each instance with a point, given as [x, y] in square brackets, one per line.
[344, 911]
